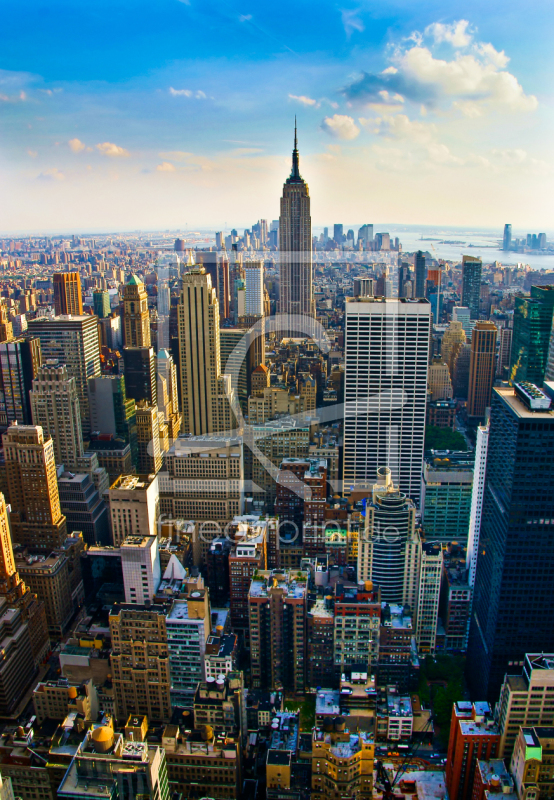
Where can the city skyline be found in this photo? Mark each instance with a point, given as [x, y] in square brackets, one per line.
[449, 103]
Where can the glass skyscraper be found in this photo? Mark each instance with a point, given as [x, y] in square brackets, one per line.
[531, 337]
[514, 602]
[471, 284]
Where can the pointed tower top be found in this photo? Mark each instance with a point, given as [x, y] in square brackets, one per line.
[295, 171]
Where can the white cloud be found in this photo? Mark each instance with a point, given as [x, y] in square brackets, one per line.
[498, 58]
[198, 94]
[340, 126]
[112, 150]
[465, 78]
[165, 166]
[32, 153]
[351, 22]
[22, 95]
[245, 17]
[52, 174]
[456, 34]
[400, 126]
[306, 101]
[75, 145]
[180, 92]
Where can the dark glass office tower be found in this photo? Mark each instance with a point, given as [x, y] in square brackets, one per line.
[140, 374]
[471, 284]
[531, 337]
[420, 274]
[514, 599]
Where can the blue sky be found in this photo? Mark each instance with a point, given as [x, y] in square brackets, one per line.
[122, 115]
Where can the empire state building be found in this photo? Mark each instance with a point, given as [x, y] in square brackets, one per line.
[295, 244]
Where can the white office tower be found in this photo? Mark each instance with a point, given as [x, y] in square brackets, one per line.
[254, 288]
[481, 449]
[389, 551]
[140, 562]
[55, 407]
[429, 588]
[387, 356]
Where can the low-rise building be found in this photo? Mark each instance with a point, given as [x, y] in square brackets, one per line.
[201, 763]
[220, 704]
[342, 762]
[56, 699]
[221, 654]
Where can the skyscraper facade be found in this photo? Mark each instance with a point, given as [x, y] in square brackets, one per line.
[531, 337]
[481, 368]
[420, 274]
[67, 293]
[73, 341]
[471, 284]
[19, 363]
[55, 407]
[204, 390]
[389, 553]
[254, 288]
[507, 238]
[101, 303]
[139, 364]
[36, 518]
[135, 314]
[514, 603]
[295, 244]
[386, 363]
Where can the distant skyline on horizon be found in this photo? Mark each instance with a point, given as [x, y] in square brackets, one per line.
[439, 119]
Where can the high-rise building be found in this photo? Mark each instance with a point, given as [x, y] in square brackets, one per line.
[101, 303]
[477, 494]
[504, 352]
[67, 293]
[481, 368]
[84, 509]
[139, 366]
[188, 626]
[385, 391]
[17, 667]
[531, 338]
[295, 244]
[18, 595]
[453, 339]
[471, 284]
[55, 407]
[20, 360]
[168, 400]
[73, 341]
[48, 576]
[357, 618]
[428, 595]
[440, 385]
[513, 596]
[391, 562]
[248, 557]
[507, 238]
[365, 233]
[526, 698]
[461, 364]
[473, 737]
[36, 517]
[6, 327]
[205, 392]
[446, 493]
[139, 640]
[134, 507]
[140, 562]
[277, 613]
[111, 411]
[254, 287]
[420, 270]
[149, 459]
[136, 318]
[462, 314]
[204, 479]
[338, 228]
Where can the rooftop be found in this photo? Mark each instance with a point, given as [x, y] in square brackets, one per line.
[327, 701]
[519, 408]
[293, 583]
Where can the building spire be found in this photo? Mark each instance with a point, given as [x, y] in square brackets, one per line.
[295, 172]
